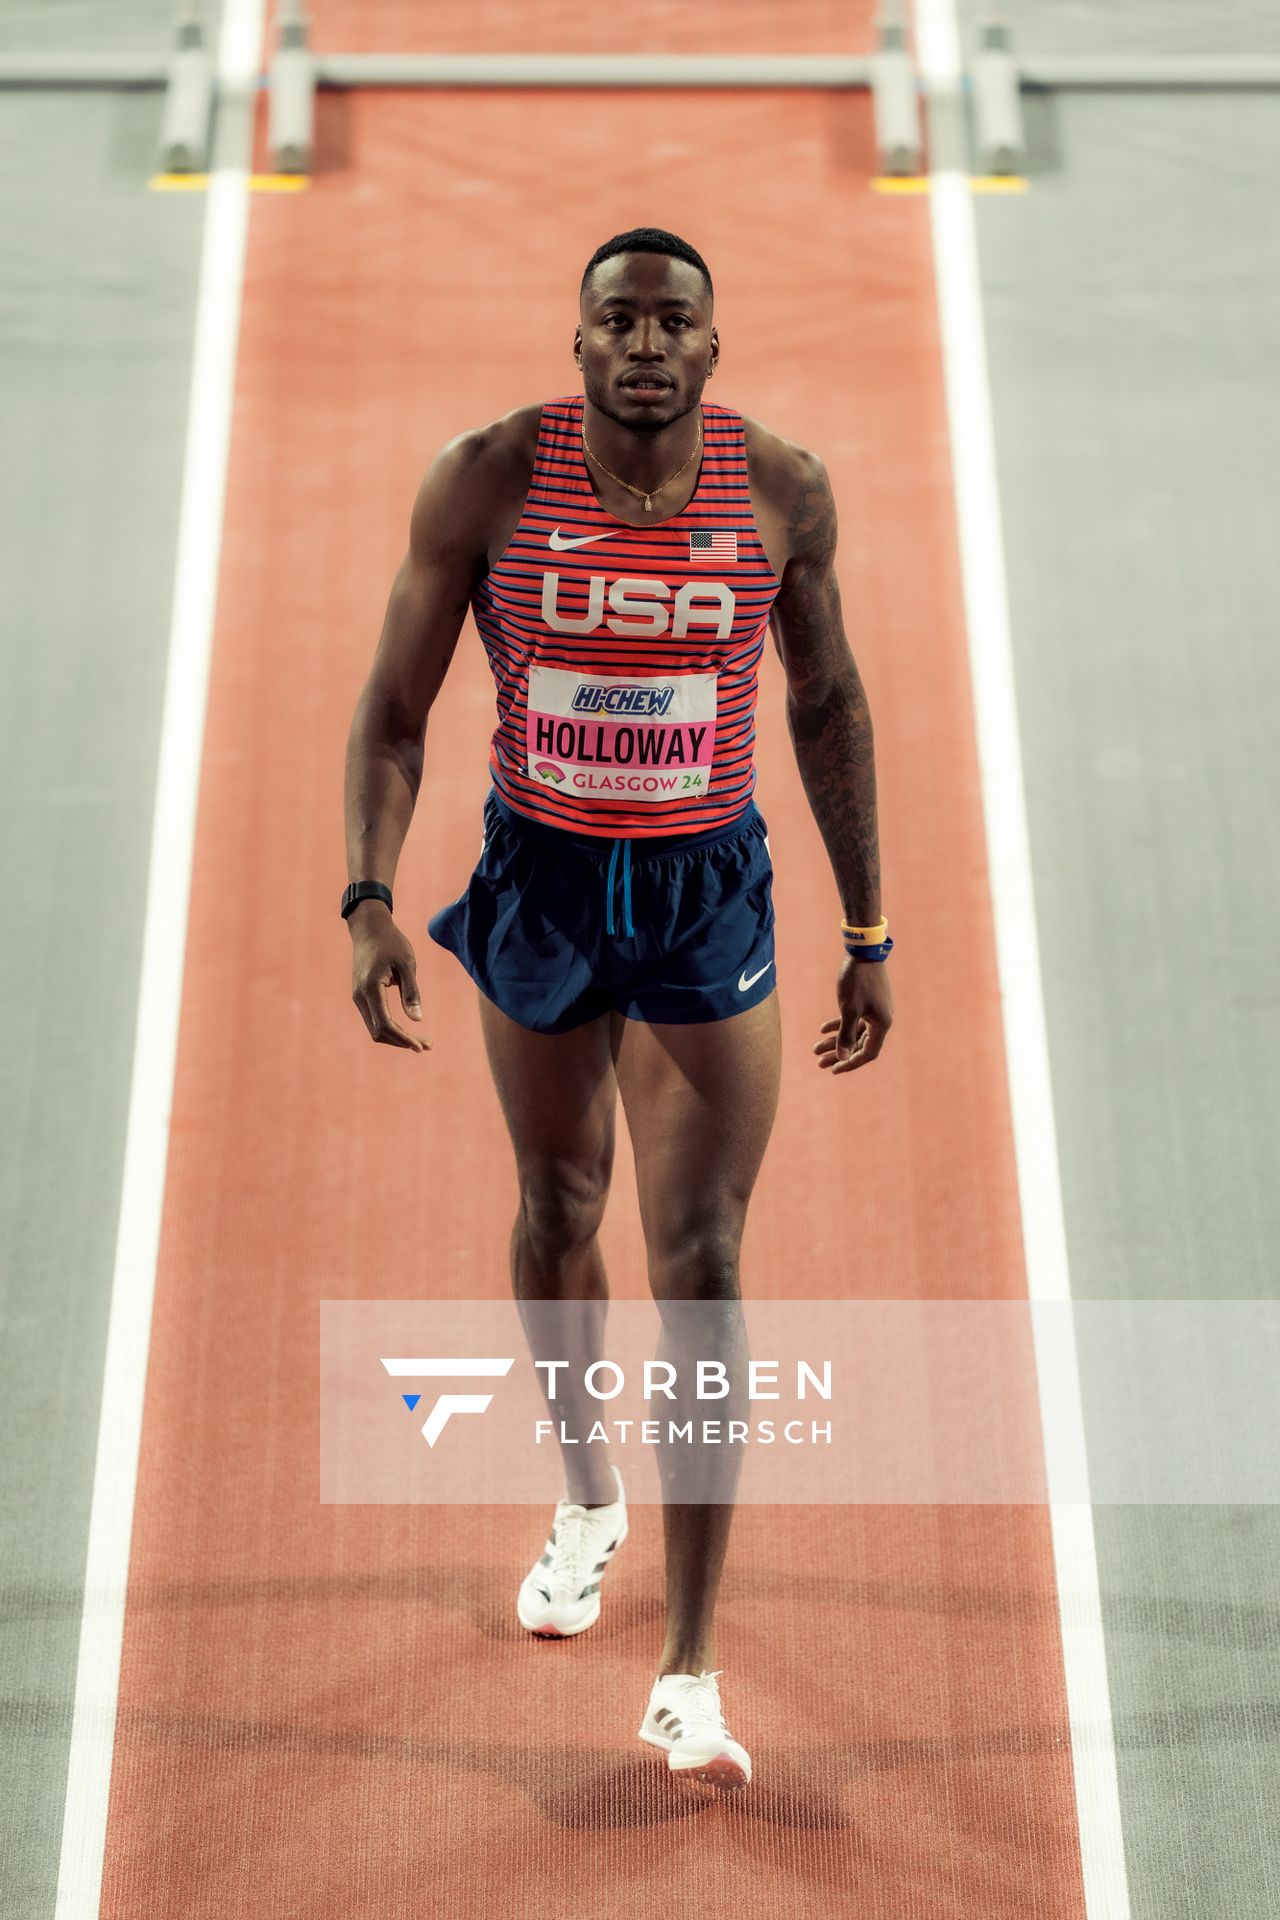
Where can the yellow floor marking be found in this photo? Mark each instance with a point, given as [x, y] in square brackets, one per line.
[296, 182]
[258, 182]
[979, 183]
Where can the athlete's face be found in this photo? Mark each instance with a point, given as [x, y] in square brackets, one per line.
[645, 314]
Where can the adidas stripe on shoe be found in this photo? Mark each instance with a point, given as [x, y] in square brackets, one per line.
[686, 1719]
[560, 1594]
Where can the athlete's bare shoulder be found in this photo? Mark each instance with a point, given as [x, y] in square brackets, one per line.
[505, 442]
[791, 494]
[475, 478]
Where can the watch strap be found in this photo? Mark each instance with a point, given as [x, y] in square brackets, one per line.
[365, 890]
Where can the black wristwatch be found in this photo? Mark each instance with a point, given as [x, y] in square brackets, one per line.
[364, 890]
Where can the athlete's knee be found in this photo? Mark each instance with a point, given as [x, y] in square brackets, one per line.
[562, 1203]
[696, 1259]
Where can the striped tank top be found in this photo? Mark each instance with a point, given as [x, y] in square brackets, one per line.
[625, 656]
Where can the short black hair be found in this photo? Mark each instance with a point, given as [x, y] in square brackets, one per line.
[648, 240]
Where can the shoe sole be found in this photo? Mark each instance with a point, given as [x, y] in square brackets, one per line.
[721, 1771]
[545, 1632]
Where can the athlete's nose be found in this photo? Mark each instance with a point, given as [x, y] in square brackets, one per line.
[646, 349]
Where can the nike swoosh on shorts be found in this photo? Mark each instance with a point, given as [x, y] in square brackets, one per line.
[556, 541]
[744, 983]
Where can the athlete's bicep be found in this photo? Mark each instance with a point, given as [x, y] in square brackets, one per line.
[432, 589]
[806, 619]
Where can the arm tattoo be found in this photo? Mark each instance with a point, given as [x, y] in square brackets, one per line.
[827, 713]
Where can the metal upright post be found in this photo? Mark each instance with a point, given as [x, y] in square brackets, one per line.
[291, 123]
[188, 102]
[893, 93]
[997, 103]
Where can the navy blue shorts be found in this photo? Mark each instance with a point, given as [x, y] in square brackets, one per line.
[557, 928]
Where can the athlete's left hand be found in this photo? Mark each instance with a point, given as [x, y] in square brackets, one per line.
[866, 1014]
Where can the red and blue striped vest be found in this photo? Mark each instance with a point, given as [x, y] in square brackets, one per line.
[625, 657]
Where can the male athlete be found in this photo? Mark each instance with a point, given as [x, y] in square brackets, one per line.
[624, 551]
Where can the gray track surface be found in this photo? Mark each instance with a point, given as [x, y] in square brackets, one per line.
[87, 26]
[1137, 26]
[1132, 307]
[97, 303]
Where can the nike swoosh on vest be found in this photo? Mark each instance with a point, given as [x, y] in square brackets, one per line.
[558, 544]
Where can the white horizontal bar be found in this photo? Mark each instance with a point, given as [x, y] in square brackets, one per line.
[591, 70]
[1137, 71]
[83, 70]
[1054, 72]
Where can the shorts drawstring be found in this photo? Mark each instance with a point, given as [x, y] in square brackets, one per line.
[625, 844]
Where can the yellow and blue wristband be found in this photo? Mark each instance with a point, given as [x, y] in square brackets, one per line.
[867, 943]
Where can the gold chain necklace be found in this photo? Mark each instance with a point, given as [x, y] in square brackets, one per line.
[639, 491]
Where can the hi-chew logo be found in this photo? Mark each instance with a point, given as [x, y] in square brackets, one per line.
[591, 697]
[413, 1368]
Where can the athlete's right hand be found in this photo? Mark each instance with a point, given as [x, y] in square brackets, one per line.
[380, 954]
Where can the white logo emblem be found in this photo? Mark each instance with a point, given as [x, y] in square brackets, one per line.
[558, 543]
[448, 1403]
[633, 599]
[744, 983]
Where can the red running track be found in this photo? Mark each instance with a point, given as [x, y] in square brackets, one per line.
[332, 1711]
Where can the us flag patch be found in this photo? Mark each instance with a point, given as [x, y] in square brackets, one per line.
[706, 544]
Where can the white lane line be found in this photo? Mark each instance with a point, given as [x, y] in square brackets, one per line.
[160, 988]
[976, 488]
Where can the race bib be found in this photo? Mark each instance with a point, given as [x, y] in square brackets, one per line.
[636, 737]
